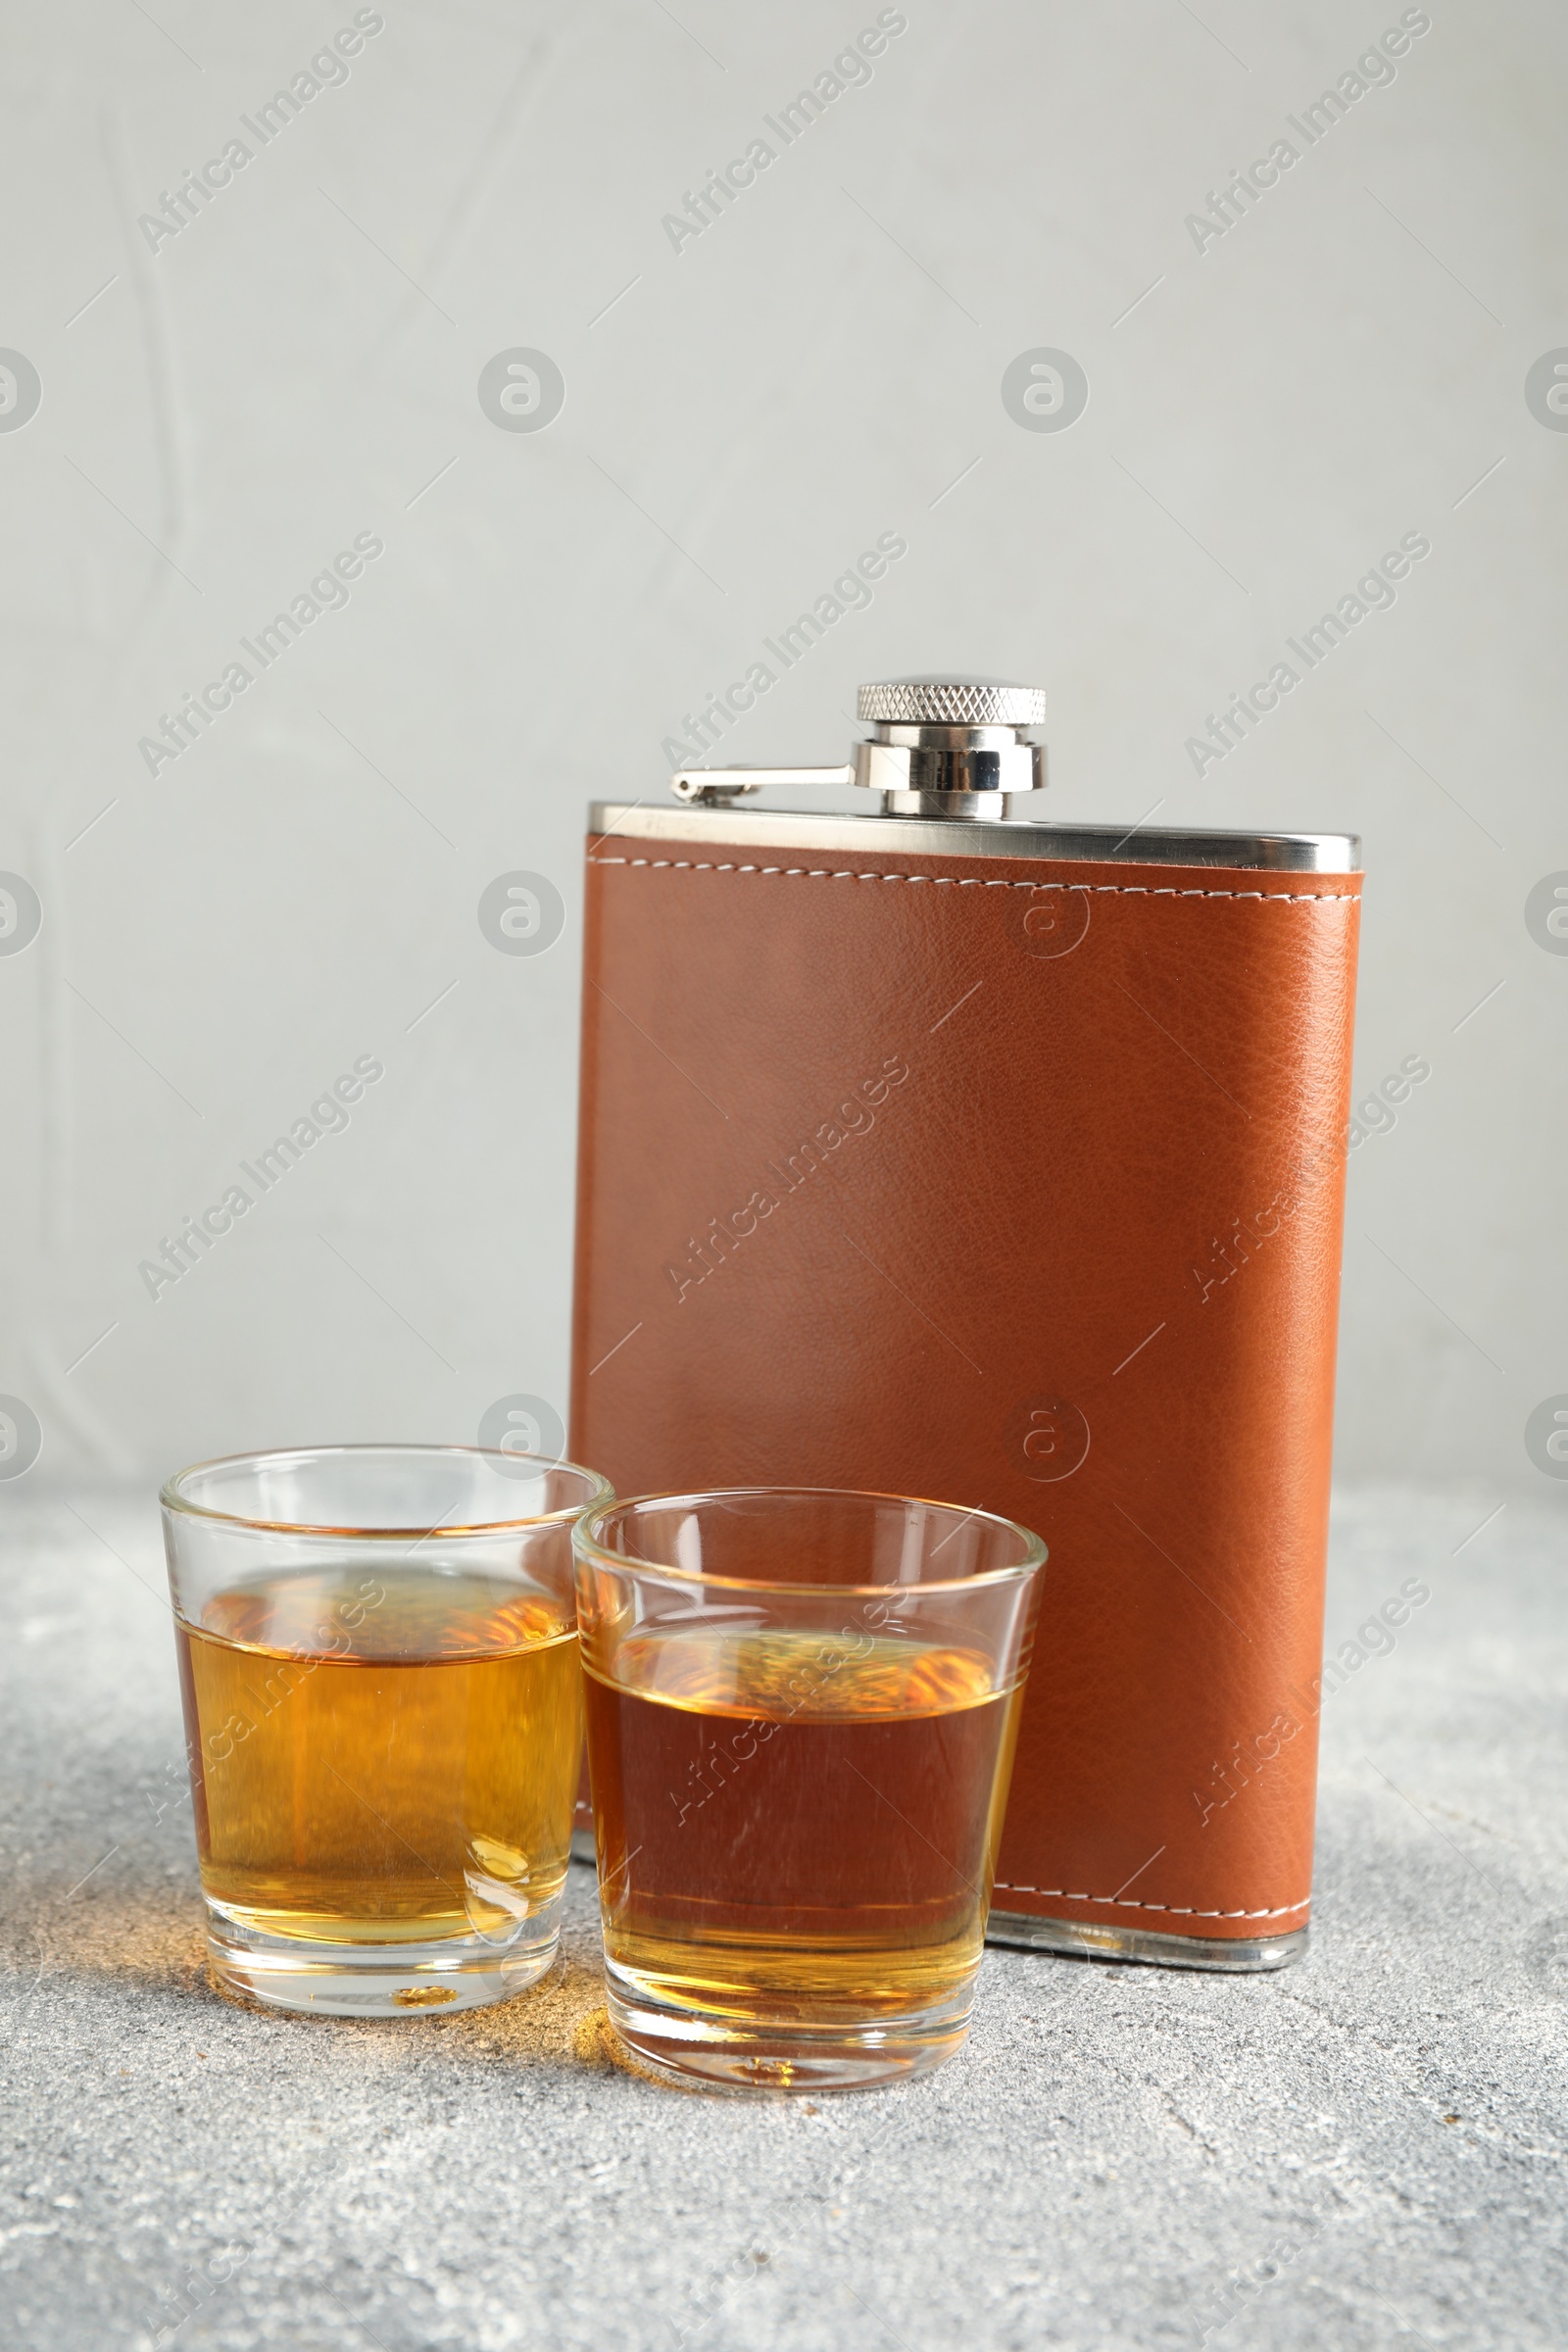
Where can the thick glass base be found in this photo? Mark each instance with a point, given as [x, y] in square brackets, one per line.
[722, 2053]
[378, 1980]
[1084, 1939]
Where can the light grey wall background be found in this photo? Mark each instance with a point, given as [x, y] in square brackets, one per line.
[223, 413]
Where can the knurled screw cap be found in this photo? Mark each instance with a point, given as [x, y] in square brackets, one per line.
[952, 702]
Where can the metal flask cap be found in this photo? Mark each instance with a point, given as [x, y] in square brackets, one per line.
[952, 702]
[940, 746]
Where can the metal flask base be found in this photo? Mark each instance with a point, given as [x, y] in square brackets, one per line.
[1081, 1939]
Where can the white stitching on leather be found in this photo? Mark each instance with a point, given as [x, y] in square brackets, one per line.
[1133, 1902]
[1119, 890]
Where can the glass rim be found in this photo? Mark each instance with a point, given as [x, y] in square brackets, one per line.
[171, 1498]
[586, 1543]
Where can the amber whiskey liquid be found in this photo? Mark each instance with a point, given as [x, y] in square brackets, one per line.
[383, 1756]
[794, 1832]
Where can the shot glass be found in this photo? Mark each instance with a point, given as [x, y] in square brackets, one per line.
[802, 1706]
[383, 1715]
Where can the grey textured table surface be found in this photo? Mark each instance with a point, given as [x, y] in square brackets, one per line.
[1364, 2151]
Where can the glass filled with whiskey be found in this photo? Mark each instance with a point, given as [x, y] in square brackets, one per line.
[383, 1717]
[802, 1706]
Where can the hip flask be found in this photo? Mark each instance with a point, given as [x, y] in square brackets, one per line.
[947, 1151]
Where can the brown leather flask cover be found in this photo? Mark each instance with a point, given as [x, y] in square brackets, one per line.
[1018, 1184]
